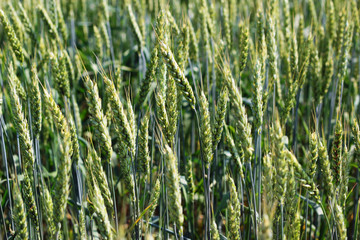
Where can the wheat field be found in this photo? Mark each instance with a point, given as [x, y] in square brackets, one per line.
[179, 119]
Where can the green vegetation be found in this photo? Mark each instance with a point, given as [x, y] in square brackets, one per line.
[179, 119]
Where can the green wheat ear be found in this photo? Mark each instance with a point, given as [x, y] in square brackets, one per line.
[35, 101]
[218, 125]
[19, 214]
[150, 75]
[47, 209]
[313, 155]
[96, 203]
[240, 114]
[29, 28]
[12, 38]
[356, 137]
[144, 154]
[62, 187]
[121, 121]
[50, 24]
[82, 224]
[214, 231]
[336, 152]
[173, 187]
[153, 201]
[234, 211]
[326, 169]
[280, 163]
[101, 179]
[205, 130]
[135, 26]
[17, 24]
[21, 123]
[177, 74]
[98, 119]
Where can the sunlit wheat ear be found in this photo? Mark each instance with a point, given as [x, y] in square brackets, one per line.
[193, 46]
[101, 179]
[214, 231]
[16, 23]
[177, 74]
[130, 114]
[268, 179]
[344, 57]
[19, 214]
[304, 179]
[266, 228]
[356, 137]
[294, 84]
[340, 222]
[21, 124]
[345, 175]
[172, 22]
[205, 36]
[171, 105]
[35, 102]
[173, 188]
[190, 180]
[300, 31]
[150, 74]
[313, 155]
[52, 11]
[239, 114]
[82, 225]
[98, 119]
[70, 69]
[243, 46]
[143, 151]
[227, 28]
[29, 199]
[326, 169]
[98, 42]
[50, 24]
[121, 122]
[336, 152]
[153, 201]
[330, 22]
[96, 203]
[237, 153]
[77, 115]
[61, 22]
[272, 51]
[280, 163]
[286, 21]
[11, 36]
[257, 97]
[17, 83]
[234, 211]
[218, 126]
[29, 28]
[338, 42]
[47, 209]
[205, 130]
[161, 113]
[314, 73]
[260, 42]
[60, 74]
[135, 26]
[126, 173]
[74, 141]
[326, 69]
[292, 228]
[183, 50]
[62, 187]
